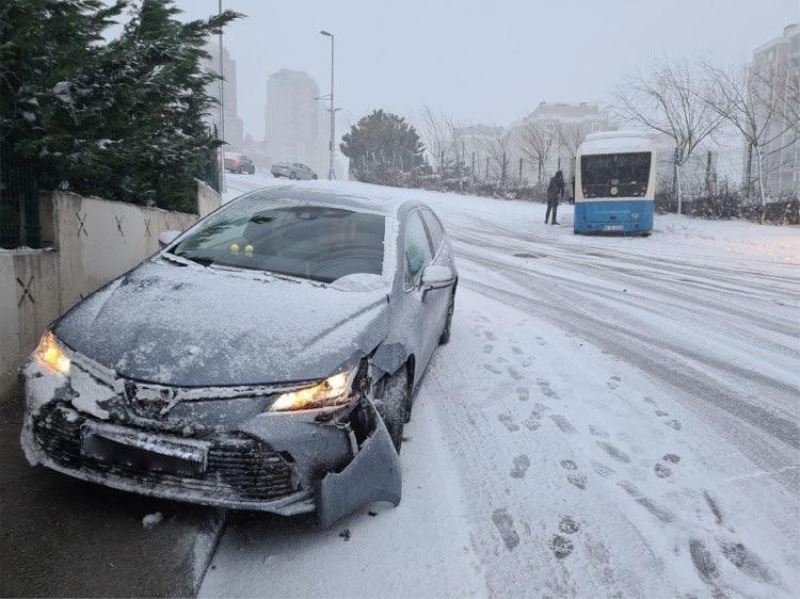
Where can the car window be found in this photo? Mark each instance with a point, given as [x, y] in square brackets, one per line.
[314, 242]
[417, 248]
[434, 229]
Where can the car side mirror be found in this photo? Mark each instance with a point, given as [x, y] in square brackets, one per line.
[167, 237]
[437, 276]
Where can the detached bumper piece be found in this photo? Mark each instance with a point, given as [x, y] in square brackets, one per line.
[238, 471]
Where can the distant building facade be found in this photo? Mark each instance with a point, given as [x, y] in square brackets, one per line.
[781, 162]
[294, 121]
[234, 127]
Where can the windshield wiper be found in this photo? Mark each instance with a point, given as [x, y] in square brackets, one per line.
[205, 261]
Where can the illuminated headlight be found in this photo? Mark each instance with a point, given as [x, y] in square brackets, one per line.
[333, 391]
[50, 353]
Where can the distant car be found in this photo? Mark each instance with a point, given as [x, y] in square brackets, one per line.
[266, 359]
[239, 163]
[292, 170]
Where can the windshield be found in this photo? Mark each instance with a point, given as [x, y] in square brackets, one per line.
[312, 242]
[615, 175]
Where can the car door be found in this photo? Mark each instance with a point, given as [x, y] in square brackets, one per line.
[439, 299]
[417, 254]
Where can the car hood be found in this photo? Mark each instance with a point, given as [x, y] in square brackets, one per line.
[188, 325]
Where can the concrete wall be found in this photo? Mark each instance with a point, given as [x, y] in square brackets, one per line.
[208, 200]
[91, 242]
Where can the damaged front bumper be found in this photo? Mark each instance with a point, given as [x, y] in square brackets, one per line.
[226, 452]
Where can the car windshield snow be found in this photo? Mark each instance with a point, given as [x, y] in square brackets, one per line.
[312, 242]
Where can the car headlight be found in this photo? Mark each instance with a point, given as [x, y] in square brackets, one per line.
[50, 353]
[333, 391]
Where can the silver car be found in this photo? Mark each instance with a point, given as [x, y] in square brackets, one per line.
[265, 359]
[292, 170]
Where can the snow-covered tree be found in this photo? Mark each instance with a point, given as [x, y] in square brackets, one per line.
[668, 100]
[123, 119]
[382, 146]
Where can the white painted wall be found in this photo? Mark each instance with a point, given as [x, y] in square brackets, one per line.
[92, 241]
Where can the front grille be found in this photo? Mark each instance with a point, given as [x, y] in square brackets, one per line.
[237, 468]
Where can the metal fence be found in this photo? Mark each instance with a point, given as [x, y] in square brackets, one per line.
[19, 204]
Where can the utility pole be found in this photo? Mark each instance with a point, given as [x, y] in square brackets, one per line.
[221, 114]
[332, 143]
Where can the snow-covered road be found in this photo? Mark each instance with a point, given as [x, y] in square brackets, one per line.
[612, 417]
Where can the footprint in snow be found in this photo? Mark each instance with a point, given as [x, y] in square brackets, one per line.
[492, 369]
[488, 348]
[508, 422]
[516, 349]
[489, 335]
[703, 562]
[534, 421]
[577, 479]
[526, 362]
[656, 510]
[662, 471]
[661, 413]
[674, 424]
[574, 477]
[614, 452]
[672, 458]
[602, 470]
[568, 526]
[564, 425]
[613, 382]
[713, 506]
[544, 387]
[598, 432]
[523, 394]
[505, 526]
[561, 546]
[540, 341]
[521, 464]
[515, 374]
[746, 561]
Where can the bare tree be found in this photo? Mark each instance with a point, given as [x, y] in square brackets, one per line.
[436, 131]
[669, 101]
[498, 146]
[537, 138]
[761, 104]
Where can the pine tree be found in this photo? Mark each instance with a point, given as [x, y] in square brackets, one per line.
[122, 120]
[382, 147]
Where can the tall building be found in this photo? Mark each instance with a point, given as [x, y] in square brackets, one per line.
[294, 119]
[234, 127]
[779, 60]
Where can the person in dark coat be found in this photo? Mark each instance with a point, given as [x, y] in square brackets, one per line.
[555, 192]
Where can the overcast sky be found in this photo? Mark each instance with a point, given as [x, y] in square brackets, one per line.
[481, 61]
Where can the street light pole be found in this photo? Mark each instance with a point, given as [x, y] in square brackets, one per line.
[332, 148]
[221, 114]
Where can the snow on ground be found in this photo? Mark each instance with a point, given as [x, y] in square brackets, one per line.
[612, 417]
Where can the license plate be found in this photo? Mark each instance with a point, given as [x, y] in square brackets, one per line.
[124, 447]
[612, 228]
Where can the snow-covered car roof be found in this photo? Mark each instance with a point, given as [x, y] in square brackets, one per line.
[380, 204]
[614, 142]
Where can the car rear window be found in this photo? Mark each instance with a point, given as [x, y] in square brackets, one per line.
[624, 175]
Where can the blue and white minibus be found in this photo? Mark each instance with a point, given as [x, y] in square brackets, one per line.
[615, 183]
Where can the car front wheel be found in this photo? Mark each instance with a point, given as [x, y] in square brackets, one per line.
[445, 336]
[394, 407]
